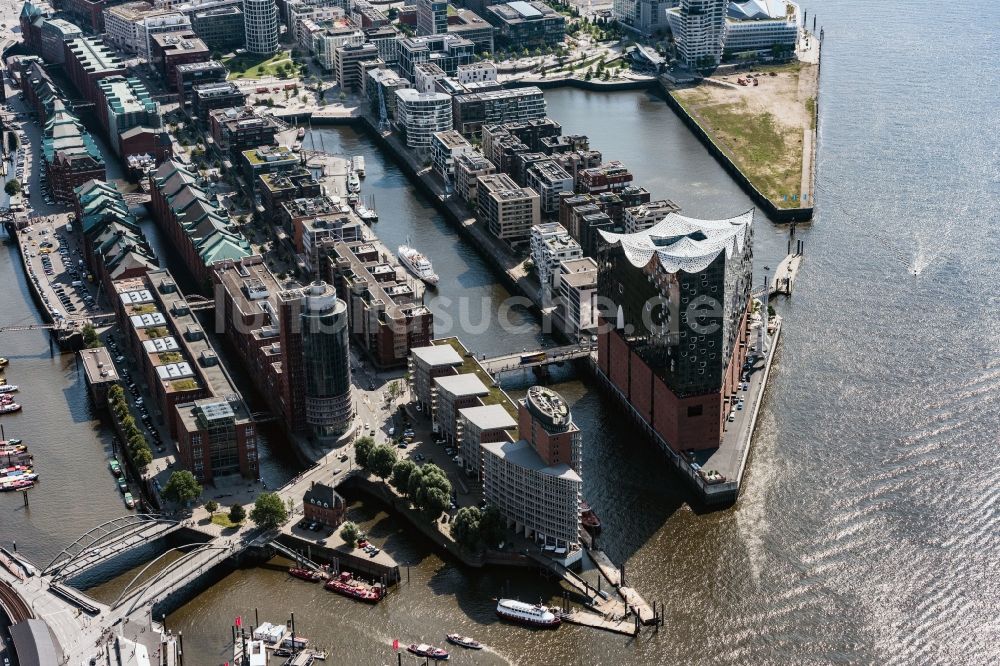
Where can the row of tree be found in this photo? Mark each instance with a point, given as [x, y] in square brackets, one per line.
[427, 487]
[268, 511]
[474, 527]
[135, 442]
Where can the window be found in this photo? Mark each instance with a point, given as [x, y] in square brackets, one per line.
[694, 410]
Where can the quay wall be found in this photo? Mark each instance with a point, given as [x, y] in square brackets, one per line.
[362, 566]
[582, 84]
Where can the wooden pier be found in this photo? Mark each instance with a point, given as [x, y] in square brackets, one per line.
[625, 626]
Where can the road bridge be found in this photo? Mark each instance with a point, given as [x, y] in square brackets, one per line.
[535, 358]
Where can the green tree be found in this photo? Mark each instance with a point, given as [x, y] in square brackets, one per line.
[362, 448]
[237, 513]
[381, 460]
[142, 458]
[394, 389]
[349, 533]
[435, 501]
[182, 487]
[90, 339]
[401, 472]
[491, 526]
[268, 511]
[211, 506]
[12, 187]
[466, 526]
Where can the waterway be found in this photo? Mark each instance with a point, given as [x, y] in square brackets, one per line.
[868, 527]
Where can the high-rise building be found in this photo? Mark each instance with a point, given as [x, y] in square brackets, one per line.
[326, 360]
[676, 304]
[421, 115]
[699, 28]
[261, 21]
[432, 17]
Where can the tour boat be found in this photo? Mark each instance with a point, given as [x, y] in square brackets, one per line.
[464, 641]
[306, 574]
[129, 501]
[346, 585]
[15, 470]
[22, 482]
[429, 651]
[115, 467]
[532, 615]
[417, 264]
[589, 519]
[353, 182]
[358, 162]
[8, 388]
[10, 408]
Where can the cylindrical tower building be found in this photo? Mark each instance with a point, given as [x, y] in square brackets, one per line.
[261, 21]
[326, 362]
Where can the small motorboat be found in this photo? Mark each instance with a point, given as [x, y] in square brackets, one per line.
[10, 408]
[9, 442]
[464, 641]
[115, 467]
[429, 651]
[3, 362]
[305, 574]
[129, 500]
[8, 388]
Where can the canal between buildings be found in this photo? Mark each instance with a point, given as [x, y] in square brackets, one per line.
[868, 526]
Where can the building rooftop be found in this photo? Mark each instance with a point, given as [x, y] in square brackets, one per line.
[98, 366]
[127, 96]
[437, 355]
[451, 139]
[462, 385]
[521, 453]
[216, 89]
[489, 417]
[548, 406]
[505, 93]
[94, 56]
[174, 43]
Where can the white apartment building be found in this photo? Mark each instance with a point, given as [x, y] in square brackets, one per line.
[578, 295]
[426, 75]
[484, 71]
[477, 426]
[302, 10]
[551, 245]
[162, 23]
[420, 115]
[699, 28]
[445, 148]
[644, 216]
[508, 210]
[261, 20]
[331, 36]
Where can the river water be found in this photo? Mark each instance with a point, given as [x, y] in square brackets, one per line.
[868, 527]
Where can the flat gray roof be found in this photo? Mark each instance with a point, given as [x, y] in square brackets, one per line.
[488, 417]
[521, 454]
[34, 644]
[466, 384]
[437, 355]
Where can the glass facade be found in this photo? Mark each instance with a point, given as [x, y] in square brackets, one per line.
[326, 362]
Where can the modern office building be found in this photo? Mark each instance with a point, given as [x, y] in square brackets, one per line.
[123, 24]
[381, 90]
[762, 27]
[507, 210]
[162, 24]
[326, 357]
[449, 395]
[699, 30]
[474, 110]
[316, 224]
[266, 159]
[188, 75]
[526, 25]
[446, 51]
[332, 35]
[610, 177]
[645, 17]
[192, 392]
[678, 333]
[536, 481]
[235, 129]
[469, 167]
[348, 65]
[469, 25]
[484, 71]
[551, 245]
[275, 188]
[426, 364]
[221, 28]
[206, 97]
[481, 425]
[261, 25]
[426, 76]
[642, 217]
[420, 115]
[432, 17]
[170, 49]
[388, 317]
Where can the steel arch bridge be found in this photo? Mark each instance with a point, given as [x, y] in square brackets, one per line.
[132, 589]
[103, 535]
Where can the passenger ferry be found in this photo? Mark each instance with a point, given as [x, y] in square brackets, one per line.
[532, 615]
[353, 182]
[417, 264]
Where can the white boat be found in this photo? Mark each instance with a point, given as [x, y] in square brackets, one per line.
[8, 388]
[358, 162]
[532, 615]
[367, 215]
[353, 182]
[261, 632]
[417, 264]
[10, 408]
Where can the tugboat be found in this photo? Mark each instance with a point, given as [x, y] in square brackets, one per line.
[429, 651]
[346, 585]
[531, 615]
[305, 574]
[590, 521]
[417, 264]
[464, 641]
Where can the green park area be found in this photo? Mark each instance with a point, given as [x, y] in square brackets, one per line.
[250, 66]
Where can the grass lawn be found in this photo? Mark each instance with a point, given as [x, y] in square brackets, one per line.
[769, 153]
[222, 520]
[249, 66]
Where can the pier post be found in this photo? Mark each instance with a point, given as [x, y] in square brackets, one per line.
[256, 620]
[180, 646]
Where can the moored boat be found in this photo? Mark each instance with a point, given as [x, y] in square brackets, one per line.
[122, 485]
[358, 163]
[348, 586]
[306, 574]
[10, 408]
[9, 388]
[418, 264]
[532, 615]
[129, 500]
[429, 651]
[353, 182]
[295, 643]
[115, 467]
[464, 641]
[3, 362]
[9, 442]
[589, 519]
